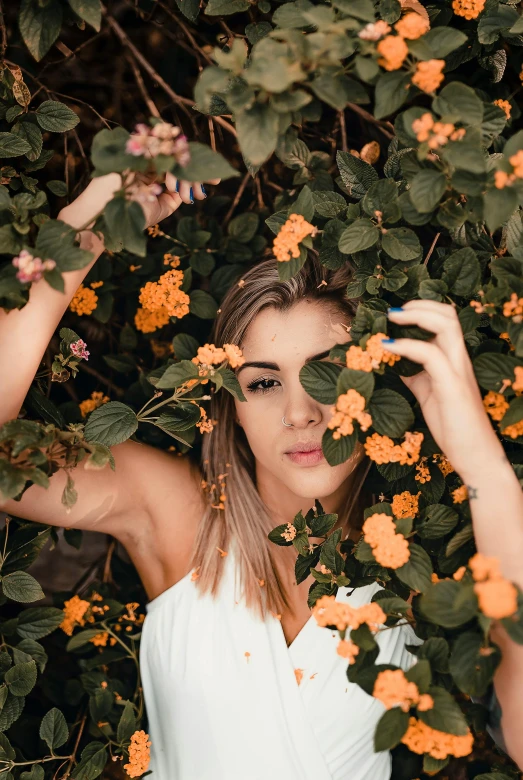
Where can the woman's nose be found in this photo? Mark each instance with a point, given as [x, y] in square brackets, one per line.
[302, 410]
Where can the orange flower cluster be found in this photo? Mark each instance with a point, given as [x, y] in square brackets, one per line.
[389, 548]
[74, 612]
[428, 75]
[443, 463]
[381, 449]
[349, 407]
[96, 400]
[460, 495]
[139, 754]
[393, 50]
[412, 26]
[497, 597]
[422, 472]
[205, 425]
[495, 405]
[517, 384]
[514, 430]
[83, 301]
[210, 355]
[394, 690]
[372, 356]
[172, 260]
[435, 133]
[166, 294]
[505, 106]
[405, 504]
[290, 533]
[148, 321]
[470, 9]
[348, 650]
[286, 243]
[100, 640]
[421, 738]
[513, 308]
[503, 179]
[329, 612]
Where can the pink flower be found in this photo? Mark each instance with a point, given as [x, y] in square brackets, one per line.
[78, 349]
[164, 138]
[31, 269]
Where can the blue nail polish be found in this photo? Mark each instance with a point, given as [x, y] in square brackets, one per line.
[191, 195]
[204, 190]
[388, 341]
[177, 188]
[395, 308]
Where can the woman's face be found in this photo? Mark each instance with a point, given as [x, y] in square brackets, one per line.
[283, 342]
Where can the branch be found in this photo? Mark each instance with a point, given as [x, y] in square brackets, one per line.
[369, 118]
[151, 105]
[236, 198]
[3, 29]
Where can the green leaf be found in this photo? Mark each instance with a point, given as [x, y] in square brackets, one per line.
[401, 243]
[459, 103]
[257, 132]
[491, 369]
[304, 204]
[499, 206]
[13, 145]
[205, 165]
[176, 374]
[37, 622]
[391, 413]
[31, 133]
[449, 604]
[232, 385]
[417, 572]
[243, 227]
[361, 381]
[92, 763]
[337, 451]
[127, 724]
[446, 714]
[462, 272]
[361, 234]
[108, 152]
[328, 204]
[226, 7]
[55, 240]
[126, 223]
[21, 678]
[21, 586]
[40, 25]
[426, 189]
[110, 424]
[53, 729]
[185, 346]
[203, 305]
[89, 10]
[437, 43]
[392, 90]
[57, 187]
[319, 379]
[357, 175]
[390, 729]
[472, 665]
[436, 520]
[56, 117]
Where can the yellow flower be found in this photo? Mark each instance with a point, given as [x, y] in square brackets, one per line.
[74, 611]
[394, 690]
[166, 294]
[83, 301]
[460, 495]
[495, 405]
[389, 548]
[381, 449]
[148, 321]
[349, 407]
[405, 504]
[96, 400]
[139, 754]
[421, 738]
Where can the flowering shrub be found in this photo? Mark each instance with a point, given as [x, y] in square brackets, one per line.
[385, 135]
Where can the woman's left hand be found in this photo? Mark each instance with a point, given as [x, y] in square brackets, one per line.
[446, 389]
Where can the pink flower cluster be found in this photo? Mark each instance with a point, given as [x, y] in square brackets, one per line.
[163, 138]
[78, 348]
[31, 269]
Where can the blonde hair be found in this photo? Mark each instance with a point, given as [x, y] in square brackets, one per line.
[225, 451]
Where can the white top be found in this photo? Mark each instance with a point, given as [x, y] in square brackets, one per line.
[216, 713]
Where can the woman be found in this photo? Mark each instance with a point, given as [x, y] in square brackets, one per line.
[227, 629]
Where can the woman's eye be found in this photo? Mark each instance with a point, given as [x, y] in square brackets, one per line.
[255, 387]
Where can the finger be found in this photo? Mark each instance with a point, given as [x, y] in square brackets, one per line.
[427, 354]
[199, 192]
[448, 335]
[427, 305]
[170, 181]
[213, 181]
[168, 203]
[185, 191]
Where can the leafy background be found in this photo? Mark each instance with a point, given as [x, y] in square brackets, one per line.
[294, 110]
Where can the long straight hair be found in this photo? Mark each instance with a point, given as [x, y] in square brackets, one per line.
[227, 458]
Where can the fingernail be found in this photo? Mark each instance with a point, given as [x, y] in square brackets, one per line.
[177, 188]
[191, 195]
[395, 308]
[204, 190]
[388, 341]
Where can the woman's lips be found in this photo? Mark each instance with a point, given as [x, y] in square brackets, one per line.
[306, 458]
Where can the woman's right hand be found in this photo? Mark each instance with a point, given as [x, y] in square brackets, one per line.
[156, 205]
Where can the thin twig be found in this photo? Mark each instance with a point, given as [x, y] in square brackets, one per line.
[212, 138]
[117, 390]
[182, 101]
[369, 118]
[3, 29]
[188, 34]
[343, 129]
[151, 105]
[431, 249]
[236, 198]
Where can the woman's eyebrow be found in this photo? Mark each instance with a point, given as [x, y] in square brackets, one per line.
[275, 366]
